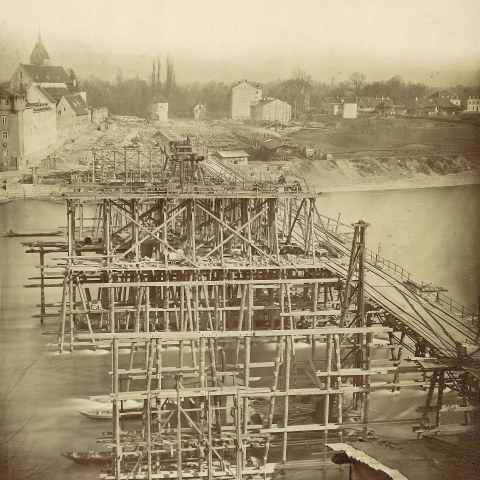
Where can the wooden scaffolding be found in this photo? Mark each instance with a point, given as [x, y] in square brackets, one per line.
[238, 318]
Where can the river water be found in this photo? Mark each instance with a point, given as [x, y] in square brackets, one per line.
[433, 233]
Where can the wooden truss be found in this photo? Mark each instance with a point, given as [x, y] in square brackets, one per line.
[241, 321]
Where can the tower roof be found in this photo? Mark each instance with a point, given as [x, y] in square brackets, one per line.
[39, 53]
[43, 50]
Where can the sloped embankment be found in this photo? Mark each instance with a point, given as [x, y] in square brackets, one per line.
[394, 171]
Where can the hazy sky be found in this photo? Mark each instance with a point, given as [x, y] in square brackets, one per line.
[435, 41]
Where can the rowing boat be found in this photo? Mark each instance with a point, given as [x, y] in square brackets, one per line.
[88, 457]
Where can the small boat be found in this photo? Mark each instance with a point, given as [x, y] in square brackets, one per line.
[88, 457]
[97, 414]
[108, 415]
[11, 233]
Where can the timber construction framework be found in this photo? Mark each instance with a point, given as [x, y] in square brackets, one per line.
[243, 323]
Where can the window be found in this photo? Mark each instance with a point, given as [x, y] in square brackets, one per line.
[4, 120]
[5, 154]
[5, 135]
[21, 76]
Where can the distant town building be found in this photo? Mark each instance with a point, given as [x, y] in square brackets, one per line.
[99, 114]
[271, 110]
[400, 110]
[200, 111]
[366, 104]
[232, 156]
[432, 106]
[446, 107]
[272, 146]
[158, 109]
[331, 105]
[385, 107]
[242, 96]
[26, 129]
[41, 106]
[72, 113]
[348, 108]
[345, 107]
[454, 98]
[473, 103]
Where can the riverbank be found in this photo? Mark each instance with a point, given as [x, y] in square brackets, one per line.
[382, 183]
[391, 173]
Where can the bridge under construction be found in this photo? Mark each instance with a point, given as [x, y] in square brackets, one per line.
[242, 322]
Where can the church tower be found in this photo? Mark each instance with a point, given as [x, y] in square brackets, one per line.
[39, 54]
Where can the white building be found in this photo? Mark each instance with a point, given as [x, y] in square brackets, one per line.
[200, 111]
[343, 106]
[473, 103]
[158, 109]
[271, 110]
[235, 157]
[242, 96]
[348, 108]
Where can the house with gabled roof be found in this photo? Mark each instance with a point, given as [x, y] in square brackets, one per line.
[200, 111]
[433, 106]
[271, 110]
[72, 114]
[41, 106]
[158, 108]
[243, 95]
[453, 97]
[233, 157]
[36, 94]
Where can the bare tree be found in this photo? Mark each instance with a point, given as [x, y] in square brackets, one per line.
[154, 77]
[170, 80]
[357, 80]
[297, 90]
[119, 75]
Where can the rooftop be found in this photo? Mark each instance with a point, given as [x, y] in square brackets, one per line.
[159, 98]
[232, 153]
[252, 84]
[43, 50]
[5, 93]
[46, 94]
[56, 93]
[78, 104]
[444, 102]
[47, 74]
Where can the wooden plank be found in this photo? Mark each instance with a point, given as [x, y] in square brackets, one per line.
[236, 333]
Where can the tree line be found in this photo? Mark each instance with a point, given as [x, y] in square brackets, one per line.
[131, 96]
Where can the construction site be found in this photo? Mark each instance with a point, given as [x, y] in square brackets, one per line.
[242, 322]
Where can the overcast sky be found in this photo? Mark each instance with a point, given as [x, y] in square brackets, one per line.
[434, 41]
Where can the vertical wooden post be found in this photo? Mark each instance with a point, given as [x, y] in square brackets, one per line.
[42, 283]
[326, 401]
[179, 436]
[288, 356]
[116, 409]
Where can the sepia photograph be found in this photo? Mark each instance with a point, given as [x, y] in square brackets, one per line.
[239, 240]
